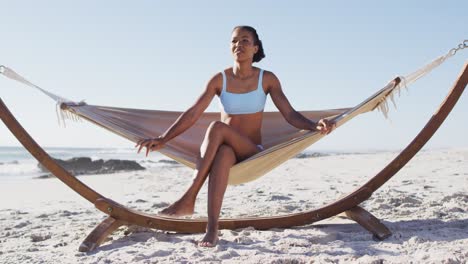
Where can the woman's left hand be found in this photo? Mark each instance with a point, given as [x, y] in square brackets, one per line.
[325, 126]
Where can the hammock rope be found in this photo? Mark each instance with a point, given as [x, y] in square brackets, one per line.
[59, 100]
[416, 75]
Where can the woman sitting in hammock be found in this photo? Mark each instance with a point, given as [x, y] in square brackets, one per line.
[242, 91]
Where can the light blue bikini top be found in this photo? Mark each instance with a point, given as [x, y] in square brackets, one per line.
[243, 103]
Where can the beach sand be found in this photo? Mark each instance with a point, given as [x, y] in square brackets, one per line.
[425, 206]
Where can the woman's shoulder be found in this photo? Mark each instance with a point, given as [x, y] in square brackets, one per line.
[217, 76]
[269, 76]
[215, 83]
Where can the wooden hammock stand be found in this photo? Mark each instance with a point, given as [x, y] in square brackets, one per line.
[119, 215]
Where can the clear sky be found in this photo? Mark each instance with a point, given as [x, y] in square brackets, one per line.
[159, 55]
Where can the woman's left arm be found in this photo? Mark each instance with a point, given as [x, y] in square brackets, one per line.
[289, 113]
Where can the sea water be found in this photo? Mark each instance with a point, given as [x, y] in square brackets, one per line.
[16, 163]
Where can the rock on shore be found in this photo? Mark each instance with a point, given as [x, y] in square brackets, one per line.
[84, 165]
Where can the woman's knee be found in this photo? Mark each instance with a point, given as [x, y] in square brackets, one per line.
[213, 135]
[215, 129]
[216, 125]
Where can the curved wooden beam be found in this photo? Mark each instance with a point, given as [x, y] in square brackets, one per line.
[121, 213]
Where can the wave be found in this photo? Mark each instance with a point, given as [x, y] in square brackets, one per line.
[29, 168]
[16, 162]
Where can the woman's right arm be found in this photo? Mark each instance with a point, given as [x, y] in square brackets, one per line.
[186, 119]
[189, 117]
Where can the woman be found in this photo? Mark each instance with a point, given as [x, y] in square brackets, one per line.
[242, 90]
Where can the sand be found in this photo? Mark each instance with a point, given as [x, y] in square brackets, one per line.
[425, 206]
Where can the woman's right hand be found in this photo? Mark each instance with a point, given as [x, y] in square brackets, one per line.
[151, 144]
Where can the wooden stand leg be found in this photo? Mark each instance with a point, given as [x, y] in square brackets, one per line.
[100, 233]
[369, 222]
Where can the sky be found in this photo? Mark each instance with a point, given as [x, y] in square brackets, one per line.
[160, 54]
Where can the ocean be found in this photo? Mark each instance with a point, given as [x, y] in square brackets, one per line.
[17, 164]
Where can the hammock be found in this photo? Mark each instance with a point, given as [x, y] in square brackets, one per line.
[281, 140]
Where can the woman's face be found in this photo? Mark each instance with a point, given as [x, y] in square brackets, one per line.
[242, 45]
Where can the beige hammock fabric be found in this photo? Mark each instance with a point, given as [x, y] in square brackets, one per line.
[281, 140]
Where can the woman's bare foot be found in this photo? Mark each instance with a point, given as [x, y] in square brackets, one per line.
[210, 239]
[180, 208]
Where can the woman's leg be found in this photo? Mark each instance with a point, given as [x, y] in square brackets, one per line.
[217, 134]
[219, 174]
